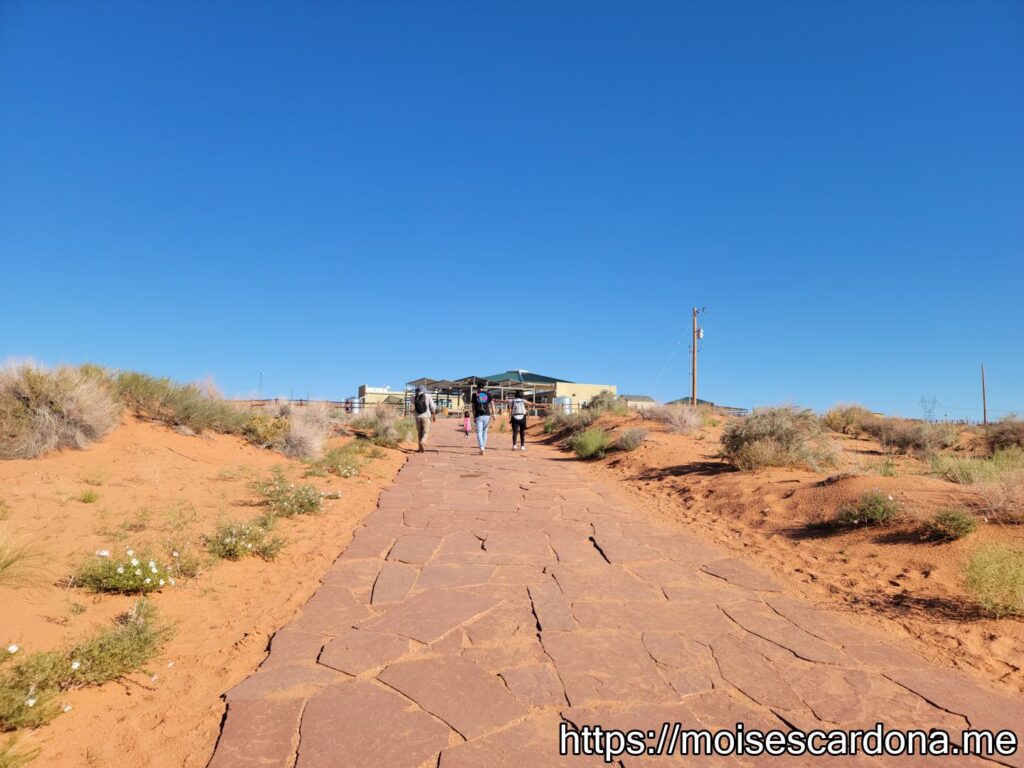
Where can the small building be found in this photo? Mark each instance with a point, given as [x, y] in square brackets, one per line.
[638, 402]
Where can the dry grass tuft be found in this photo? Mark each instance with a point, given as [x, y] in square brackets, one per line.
[679, 419]
[994, 574]
[846, 419]
[1006, 433]
[42, 410]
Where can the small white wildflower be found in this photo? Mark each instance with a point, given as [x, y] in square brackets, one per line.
[130, 553]
[30, 702]
[161, 582]
[154, 678]
[174, 554]
[152, 564]
[890, 498]
[152, 569]
[135, 561]
[138, 572]
[66, 708]
[147, 581]
[170, 664]
[120, 569]
[12, 648]
[104, 553]
[75, 665]
[171, 582]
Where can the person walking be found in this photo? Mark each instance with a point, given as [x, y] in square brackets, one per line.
[425, 412]
[517, 418]
[483, 412]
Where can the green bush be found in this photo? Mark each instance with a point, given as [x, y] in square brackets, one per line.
[285, 499]
[969, 471]
[590, 443]
[30, 684]
[264, 429]
[132, 573]
[1008, 432]
[846, 419]
[43, 410]
[873, 508]
[384, 427]
[607, 402]
[179, 405]
[88, 496]
[631, 439]
[994, 575]
[951, 523]
[12, 757]
[235, 540]
[777, 437]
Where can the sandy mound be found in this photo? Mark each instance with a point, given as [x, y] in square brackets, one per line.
[153, 486]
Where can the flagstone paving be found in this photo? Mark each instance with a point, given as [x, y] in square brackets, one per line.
[490, 598]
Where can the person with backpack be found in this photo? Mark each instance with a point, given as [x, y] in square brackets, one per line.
[425, 412]
[483, 411]
[517, 418]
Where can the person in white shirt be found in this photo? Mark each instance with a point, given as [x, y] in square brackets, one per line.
[517, 417]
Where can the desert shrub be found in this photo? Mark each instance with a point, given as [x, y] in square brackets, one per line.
[994, 575]
[307, 430]
[1003, 497]
[285, 499]
[607, 402]
[343, 461]
[679, 419]
[873, 508]
[950, 523]
[384, 427]
[234, 540]
[132, 573]
[21, 565]
[777, 437]
[182, 560]
[630, 439]
[88, 496]
[1008, 432]
[560, 422]
[911, 436]
[590, 443]
[180, 405]
[43, 410]
[30, 684]
[976, 470]
[846, 419]
[264, 429]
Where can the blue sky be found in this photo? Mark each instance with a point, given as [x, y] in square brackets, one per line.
[340, 193]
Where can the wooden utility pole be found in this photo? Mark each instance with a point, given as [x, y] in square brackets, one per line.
[984, 401]
[693, 361]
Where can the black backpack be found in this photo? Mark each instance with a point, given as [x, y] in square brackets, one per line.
[421, 404]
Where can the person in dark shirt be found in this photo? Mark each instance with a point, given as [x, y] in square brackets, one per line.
[483, 412]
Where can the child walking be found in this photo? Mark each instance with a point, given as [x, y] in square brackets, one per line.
[465, 421]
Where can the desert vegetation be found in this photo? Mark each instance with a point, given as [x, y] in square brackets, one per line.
[1008, 432]
[873, 508]
[42, 410]
[234, 540]
[31, 683]
[630, 439]
[949, 524]
[383, 427]
[783, 436]
[994, 574]
[590, 443]
[678, 419]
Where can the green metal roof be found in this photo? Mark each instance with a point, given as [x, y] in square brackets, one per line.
[525, 377]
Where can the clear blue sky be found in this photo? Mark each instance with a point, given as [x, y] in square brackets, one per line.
[339, 193]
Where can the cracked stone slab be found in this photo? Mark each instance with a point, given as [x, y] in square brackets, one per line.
[454, 575]
[362, 724]
[298, 681]
[549, 606]
[760, 620]
[291, 646]
[753, 674]
[738, 572]
[330, 611]
[361, 650]
[430, 614]
[672, 649]
[464, 695]
[607, 583]
[259, 734]
[393, 583]
[536, 684]
[605, 667]
[415, 548]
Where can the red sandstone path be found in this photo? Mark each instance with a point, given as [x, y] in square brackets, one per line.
[488, 599]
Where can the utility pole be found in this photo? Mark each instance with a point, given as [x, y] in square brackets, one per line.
[984, 402]
[698, 334]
